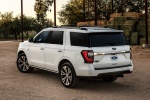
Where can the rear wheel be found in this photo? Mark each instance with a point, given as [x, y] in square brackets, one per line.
[67, 75]
[109, 79]
[22, 64]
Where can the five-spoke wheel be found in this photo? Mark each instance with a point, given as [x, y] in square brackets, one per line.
[22, 64]
[67, 75]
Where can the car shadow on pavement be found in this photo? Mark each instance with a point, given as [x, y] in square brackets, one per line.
[99, 85]
[96, 85]
[45, 74]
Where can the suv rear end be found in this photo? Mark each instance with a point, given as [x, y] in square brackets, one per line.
[77, 52]
[99, 52]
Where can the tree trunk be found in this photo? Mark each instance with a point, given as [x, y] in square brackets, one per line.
[15, 36]
[27, 34]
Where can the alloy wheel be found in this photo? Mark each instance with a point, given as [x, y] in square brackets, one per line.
[66, 75]
[23, 63]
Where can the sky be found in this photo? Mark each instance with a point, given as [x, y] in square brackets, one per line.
[28, 7]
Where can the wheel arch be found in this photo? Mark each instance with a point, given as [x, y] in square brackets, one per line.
[63, 61]
[20, 52]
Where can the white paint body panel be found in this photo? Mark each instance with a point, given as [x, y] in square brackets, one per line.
[47, 56]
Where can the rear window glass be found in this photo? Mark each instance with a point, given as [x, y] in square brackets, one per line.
[107, 39]
[97, 39]
[79, 39]
[56, 37]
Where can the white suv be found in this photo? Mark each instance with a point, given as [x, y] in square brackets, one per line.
[77, 52]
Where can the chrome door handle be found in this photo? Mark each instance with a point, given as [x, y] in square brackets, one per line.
[42, 48]
[59, 50]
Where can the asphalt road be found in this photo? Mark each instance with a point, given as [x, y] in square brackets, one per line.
[43, 85]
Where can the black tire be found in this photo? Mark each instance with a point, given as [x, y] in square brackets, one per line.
[22, 64]
[67, 75]
[109, 79]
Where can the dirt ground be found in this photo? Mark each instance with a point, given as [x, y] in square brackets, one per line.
[43, 85]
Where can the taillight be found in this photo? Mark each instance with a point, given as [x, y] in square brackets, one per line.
[88, 56]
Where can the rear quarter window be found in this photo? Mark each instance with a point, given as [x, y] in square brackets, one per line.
[79, 39]
[56, 37]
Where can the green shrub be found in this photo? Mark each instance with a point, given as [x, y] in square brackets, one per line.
[110, 26]
[142, 41]
[127, 34]
[133, 18]
[127, 27]
[130, 22]
[134, 38]
[110, 22]
[120, 18]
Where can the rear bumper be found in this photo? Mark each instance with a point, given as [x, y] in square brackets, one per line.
[114, 74]
[91, 72]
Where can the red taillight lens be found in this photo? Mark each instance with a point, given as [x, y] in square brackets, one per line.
[88, 56]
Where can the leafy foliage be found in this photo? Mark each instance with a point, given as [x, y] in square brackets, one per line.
[12, 25]
[72, 12]
[132, 5]
[41, 7]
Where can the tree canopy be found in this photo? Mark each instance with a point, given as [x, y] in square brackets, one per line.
[72, 12]
[10, 25]
[41, 7]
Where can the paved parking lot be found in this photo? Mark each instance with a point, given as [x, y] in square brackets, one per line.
[43, 85]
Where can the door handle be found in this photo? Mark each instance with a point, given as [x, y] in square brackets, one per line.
[59, 50]
[42, 48]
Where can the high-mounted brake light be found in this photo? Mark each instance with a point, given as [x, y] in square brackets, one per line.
[88, 56]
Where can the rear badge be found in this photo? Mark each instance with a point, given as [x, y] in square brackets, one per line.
[113, 57]
[113, 48]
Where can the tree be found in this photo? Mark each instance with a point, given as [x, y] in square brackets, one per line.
[133, 5]
[41, 7]
[29, 24]
[5, 21]
[12, 25]
[72, 12]
[15, 27]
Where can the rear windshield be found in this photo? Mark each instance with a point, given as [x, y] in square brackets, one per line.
[107, 39]
[97, 39]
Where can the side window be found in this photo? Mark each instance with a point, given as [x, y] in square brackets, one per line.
[56, 37]
[79, 39]
[42, 37]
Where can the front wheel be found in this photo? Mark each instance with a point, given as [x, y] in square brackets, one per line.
[67, 75]
[22, 64]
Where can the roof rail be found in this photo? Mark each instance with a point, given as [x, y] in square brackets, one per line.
[69, 25]
[95, 28]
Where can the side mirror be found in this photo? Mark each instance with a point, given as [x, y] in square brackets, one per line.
[30, 40]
